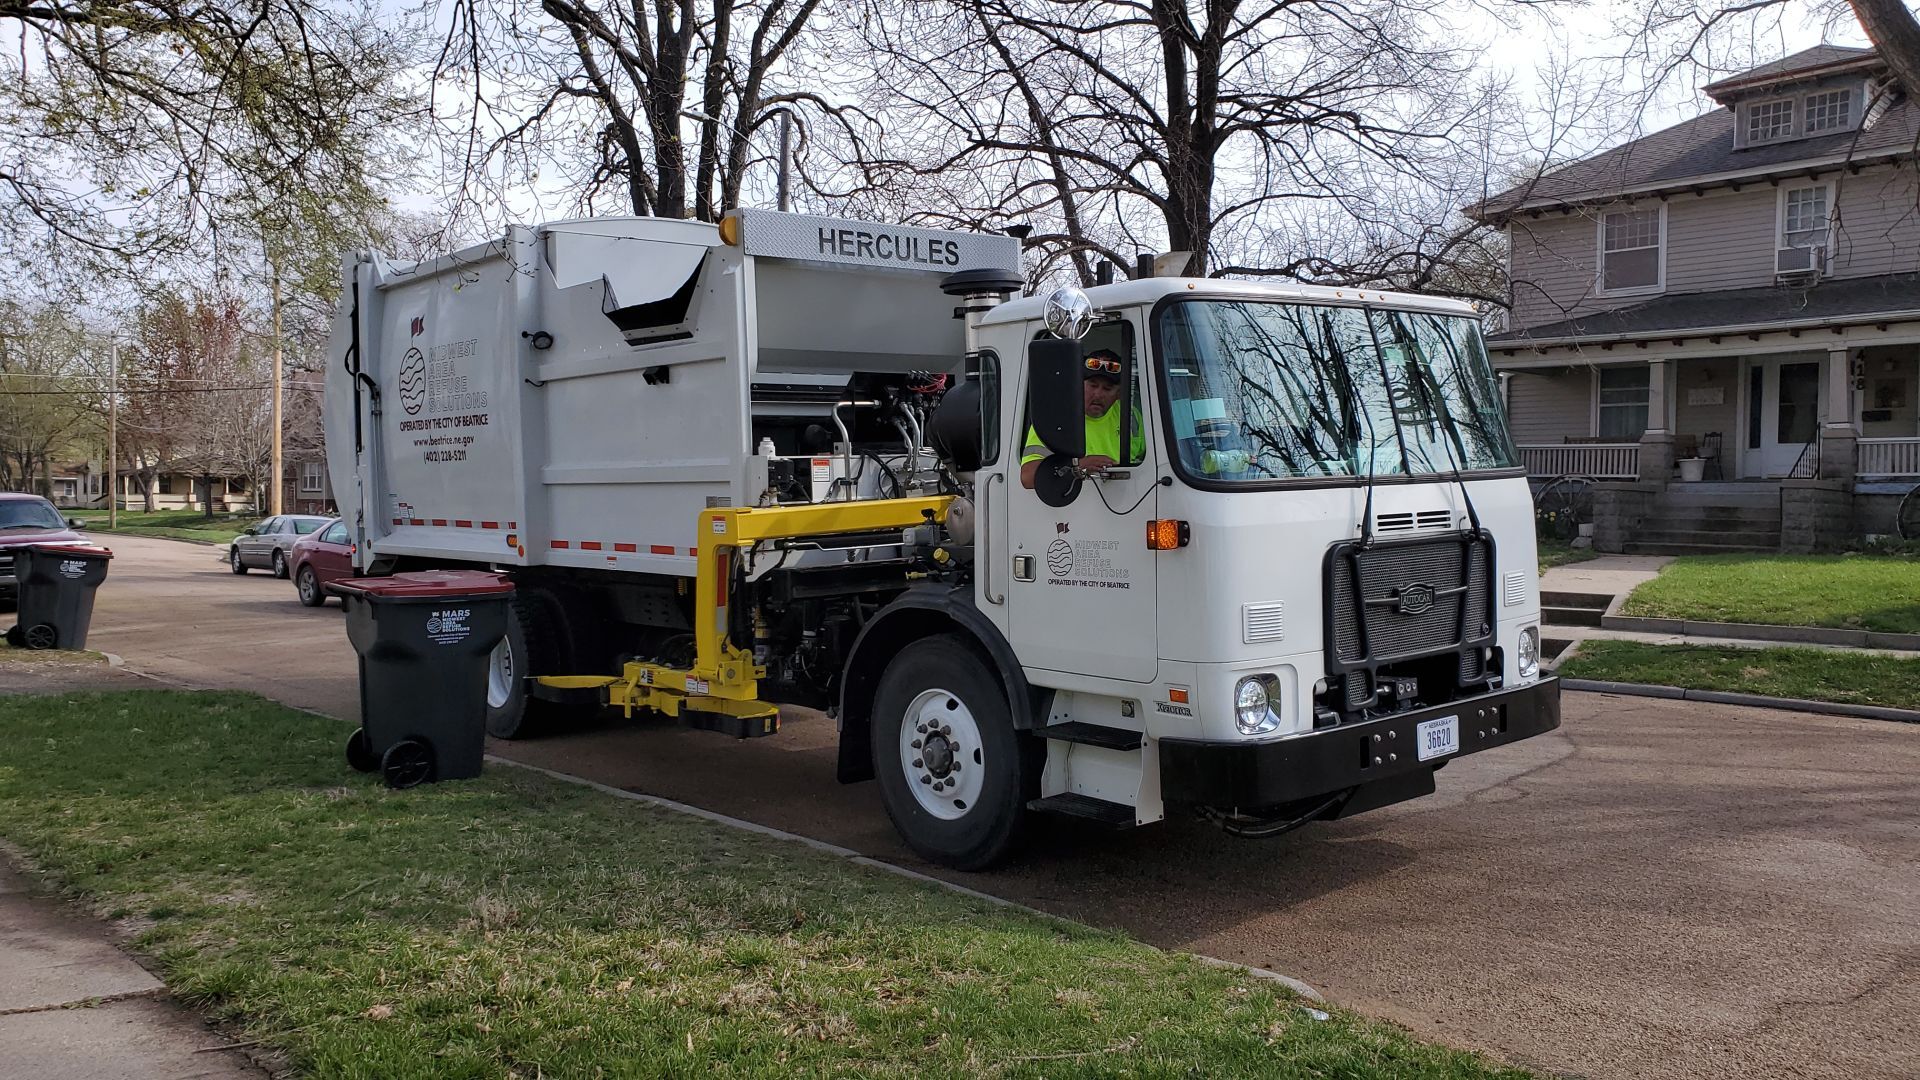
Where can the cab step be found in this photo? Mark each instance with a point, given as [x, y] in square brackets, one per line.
[1094, 735]
[1070, 804]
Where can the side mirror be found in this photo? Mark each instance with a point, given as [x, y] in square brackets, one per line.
[251, 530]
[75, 523]
[1055, 406]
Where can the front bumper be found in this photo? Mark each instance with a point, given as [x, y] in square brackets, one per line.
[1256, 775]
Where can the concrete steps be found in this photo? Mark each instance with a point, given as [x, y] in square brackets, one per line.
[1573, 608]
[1710, 519]
[1700, 549]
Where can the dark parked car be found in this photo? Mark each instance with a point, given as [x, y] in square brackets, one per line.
[265, 546]
[320, 557]
[28, 519]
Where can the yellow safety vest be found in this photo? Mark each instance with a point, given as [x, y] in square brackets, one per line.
[1103, 438]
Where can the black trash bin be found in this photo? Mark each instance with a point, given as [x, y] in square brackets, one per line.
[424, 641]
[56, 594]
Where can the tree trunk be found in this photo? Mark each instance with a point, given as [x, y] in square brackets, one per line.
[1896, 33]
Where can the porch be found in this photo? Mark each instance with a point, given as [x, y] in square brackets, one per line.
[1683, 443]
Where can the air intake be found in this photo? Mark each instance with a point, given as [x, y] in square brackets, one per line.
[1263, 622]
[1412, 521]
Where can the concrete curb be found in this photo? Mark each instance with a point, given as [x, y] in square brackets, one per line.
[1721, 697]
[852, 856]
[1805, 635]
[150, 536]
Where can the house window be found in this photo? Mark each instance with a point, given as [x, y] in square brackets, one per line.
[1769, 120]
[1803, 217]
[1630, 250]
[1623, 402]
[1829, 111]
[166, 484]
[311, 480]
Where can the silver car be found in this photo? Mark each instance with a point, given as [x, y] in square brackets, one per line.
[265, 546]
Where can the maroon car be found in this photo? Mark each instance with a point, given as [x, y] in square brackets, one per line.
[323, 555]
[28, 519]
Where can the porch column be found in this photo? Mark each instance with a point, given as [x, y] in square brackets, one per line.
[1840, 435]
[1656, 443]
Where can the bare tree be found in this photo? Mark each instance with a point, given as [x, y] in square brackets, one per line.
[637, 77]
[1232, 130]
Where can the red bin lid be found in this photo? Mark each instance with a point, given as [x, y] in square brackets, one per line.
[427, 585]
[73, 547]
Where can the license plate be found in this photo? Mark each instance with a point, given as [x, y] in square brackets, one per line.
[1437, 738]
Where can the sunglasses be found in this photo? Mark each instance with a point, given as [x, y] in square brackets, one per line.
[1107, 367]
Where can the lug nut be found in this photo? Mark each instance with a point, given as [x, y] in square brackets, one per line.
[921, 728]
[915, 744]
[916, 763]
[1393, 757]
[925, 779]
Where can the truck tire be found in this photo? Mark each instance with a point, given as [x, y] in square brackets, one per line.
[940, 716]
[535, 644]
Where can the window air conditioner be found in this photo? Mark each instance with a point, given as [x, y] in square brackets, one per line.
[1799, 261]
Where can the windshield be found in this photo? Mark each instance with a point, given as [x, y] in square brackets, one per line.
[1263, 390]
[30, 514]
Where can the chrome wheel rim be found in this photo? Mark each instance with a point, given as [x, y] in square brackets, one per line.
[941, 754]
[500, 675]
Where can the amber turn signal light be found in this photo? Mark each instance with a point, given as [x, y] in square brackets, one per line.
[1165, 534]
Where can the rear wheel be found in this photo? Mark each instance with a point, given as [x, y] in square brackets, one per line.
[954, 774]
[308, 584]
[538, 642]
[279, 563]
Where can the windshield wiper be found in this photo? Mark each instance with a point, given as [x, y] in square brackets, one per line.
[32, 525]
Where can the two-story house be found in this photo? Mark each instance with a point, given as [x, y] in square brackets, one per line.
[1720, 321]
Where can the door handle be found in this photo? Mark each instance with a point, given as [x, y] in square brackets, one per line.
[985, 539]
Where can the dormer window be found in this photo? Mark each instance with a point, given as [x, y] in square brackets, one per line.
[1829, 111]
[1769, 121]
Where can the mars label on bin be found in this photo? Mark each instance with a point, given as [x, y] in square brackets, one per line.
[73, 568]
[448, 626]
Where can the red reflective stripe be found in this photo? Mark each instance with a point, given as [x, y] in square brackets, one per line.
[462, 523]
[397, 521]
[558, 543]
[693, 551]
[720, 583]
[439, 523]
[626, 547]
[661, 549]
[416, 521]
[489, 524]
[589, 545]
[513, 524]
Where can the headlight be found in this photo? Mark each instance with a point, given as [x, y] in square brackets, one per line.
[1256, 704]
[1529, 651]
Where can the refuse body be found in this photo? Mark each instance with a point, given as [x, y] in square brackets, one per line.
[56, 594]
[426, 641]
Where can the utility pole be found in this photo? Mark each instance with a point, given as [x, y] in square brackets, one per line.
[113, 436]
[278, 466]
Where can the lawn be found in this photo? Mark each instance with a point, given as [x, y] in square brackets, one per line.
[520, 926]
[175, 524]
[1553, 553]
[1857, 678]
[1855, 592]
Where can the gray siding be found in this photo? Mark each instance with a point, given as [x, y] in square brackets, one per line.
[1545, 407]
[1710, 375]
[1721, 240]
[1879, 226]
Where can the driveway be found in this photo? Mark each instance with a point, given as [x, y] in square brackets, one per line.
[1666, 889]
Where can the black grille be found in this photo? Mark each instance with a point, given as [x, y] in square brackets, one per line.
[1407, 599]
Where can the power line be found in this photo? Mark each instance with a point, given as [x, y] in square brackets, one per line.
[172, 390]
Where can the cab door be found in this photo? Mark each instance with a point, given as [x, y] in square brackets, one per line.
[1080, 580]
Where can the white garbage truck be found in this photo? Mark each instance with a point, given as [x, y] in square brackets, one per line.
[1262, 553]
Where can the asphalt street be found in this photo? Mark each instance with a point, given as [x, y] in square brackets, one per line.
[1660, 889]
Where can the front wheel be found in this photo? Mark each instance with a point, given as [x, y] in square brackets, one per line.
[233, 558]
[954, 774]
[308, 584]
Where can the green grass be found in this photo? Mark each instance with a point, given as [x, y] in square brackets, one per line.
[519, 926]
[1856, 592]
[175, 524]
[11, 655]
[1857, 678]
[1554, 553]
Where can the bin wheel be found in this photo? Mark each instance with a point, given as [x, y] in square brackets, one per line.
[41, 636]
[360, 752]
[17, 636]
[407, 763]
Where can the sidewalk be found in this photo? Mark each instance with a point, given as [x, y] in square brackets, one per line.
[1615, 575]
[72, 1005]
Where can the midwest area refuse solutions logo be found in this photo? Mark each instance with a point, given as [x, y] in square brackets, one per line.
[449, 626]
[413, 381]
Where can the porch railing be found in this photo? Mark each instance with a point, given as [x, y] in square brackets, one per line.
[1890, 457]
[1601, 461]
